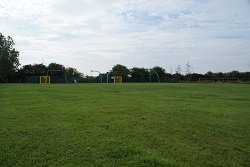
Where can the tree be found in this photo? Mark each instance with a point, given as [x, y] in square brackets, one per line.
[55, 66]
[32, 70]
[193, 77]
[138, 72]
[39, 69]
[210, 74]
[245, 75]
[234, 74]
[26, 70]
[219, 75]
[160, 71]
[9, 61]
[73, 74]
[120, 70]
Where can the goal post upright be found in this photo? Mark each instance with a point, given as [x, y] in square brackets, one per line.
[117, 79]
[149, 71]
[44, 79]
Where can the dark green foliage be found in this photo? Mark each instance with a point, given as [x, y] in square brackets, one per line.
[120, 70]
[55, 66]
[31, 73]
[9, 61]
[160, 71]
[33, 70]
[139, 72]
[73, 74]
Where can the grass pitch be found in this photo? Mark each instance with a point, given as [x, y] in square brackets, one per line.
[151, 125]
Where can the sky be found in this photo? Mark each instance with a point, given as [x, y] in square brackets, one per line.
[213, 35]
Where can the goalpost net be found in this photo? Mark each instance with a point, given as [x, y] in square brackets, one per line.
[45, 79]
[57, 76]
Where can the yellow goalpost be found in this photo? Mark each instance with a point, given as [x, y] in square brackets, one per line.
[44, 79]
[117, 79]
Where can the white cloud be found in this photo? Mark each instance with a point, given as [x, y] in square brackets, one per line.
[95, 34]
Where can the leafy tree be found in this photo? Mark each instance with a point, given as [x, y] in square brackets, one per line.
[55, 66]
[9, 61]
[210, 74]
[73, 74]
[39, 69]
[32, 70]
[120, 70]
[160, 71]
[234, 74]
[138, 72]
[193, 77]
[219, 75]
[27, 70]
[245, 75]
[179, 77]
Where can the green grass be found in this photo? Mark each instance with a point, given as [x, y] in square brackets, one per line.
[150, 125]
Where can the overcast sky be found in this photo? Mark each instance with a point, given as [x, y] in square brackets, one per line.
[214, 35]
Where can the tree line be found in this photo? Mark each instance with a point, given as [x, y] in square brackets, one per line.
[178, 77]
[42, 70]
[10, 70]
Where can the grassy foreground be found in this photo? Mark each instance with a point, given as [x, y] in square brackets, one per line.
[151, 125]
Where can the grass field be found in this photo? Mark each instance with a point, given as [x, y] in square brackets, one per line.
[151, 125]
